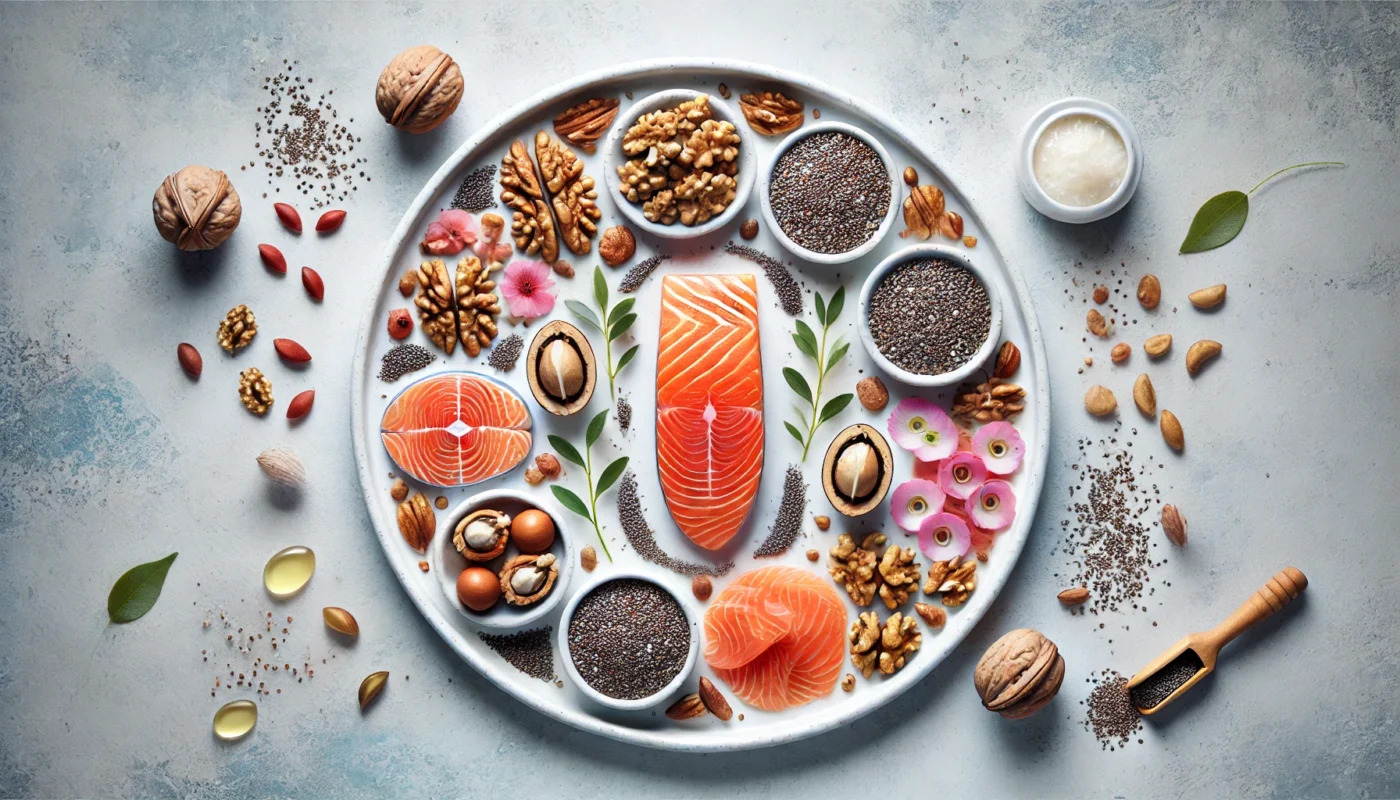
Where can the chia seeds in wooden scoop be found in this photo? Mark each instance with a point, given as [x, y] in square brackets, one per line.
[1185, 663]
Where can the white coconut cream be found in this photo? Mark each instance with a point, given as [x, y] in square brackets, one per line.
[1080, 160]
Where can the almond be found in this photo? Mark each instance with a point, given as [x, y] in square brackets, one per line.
[1074, 597]
[872, 393]
[1157, 346]
[370, 688]
[1008, 361]
[190, 360]
[1144, 396]
[714, 701]
[291, 220]
[283, 466]
[340, 621]
[688, 707]
[1171, 431]
[313, 283]
[291, 351]
[301, 404]
[1209, 297]
[1099, 401]
[1120, 352]
[1199, 353]
[701, 586]
[1096, 324]
[329, 221]
[272, 258]
[1149, 291]
[1174, 525]
[588, 558]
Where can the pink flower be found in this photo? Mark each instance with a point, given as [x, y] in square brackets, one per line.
[993, 506]
[526, 286]
[451, 233]
[961, 474]
[1000, 447]
[913, 501]
[924, 429]
[944, 535]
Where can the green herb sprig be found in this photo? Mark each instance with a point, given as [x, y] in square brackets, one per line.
[137, 590]
[806, 341]
[611, 473]
[1222, 217]
[611, 323]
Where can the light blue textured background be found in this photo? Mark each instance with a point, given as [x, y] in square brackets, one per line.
[109, 456]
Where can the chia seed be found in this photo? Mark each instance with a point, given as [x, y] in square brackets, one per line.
[506, 353]
[305, 141]
[643, 538]
[1110, 713]
[788, 526]
[789, 293]
[624, 414]
[930, 316]
[477, 192]
[830, 192]
[635, 276]
[628, 639]
[1160, 684]
[403, 359]
[531, 652]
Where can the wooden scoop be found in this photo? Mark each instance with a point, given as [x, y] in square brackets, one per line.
[1274, 595]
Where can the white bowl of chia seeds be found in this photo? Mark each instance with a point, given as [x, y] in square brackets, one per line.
[615, 158]
[627, 641]
[839, 219]
[929, 315]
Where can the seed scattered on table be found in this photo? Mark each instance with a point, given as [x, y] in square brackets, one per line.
[1110, 713]
[830, 192]
[789, 293]
[506, 353]
[930, 316]
[638, 274]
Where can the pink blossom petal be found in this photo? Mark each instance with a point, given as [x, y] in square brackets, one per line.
[463, 226]
[1000, 447]
[923, 428]
[913, 500]
[943, 536]
[960, 474]
[527, 288]
[993, 506]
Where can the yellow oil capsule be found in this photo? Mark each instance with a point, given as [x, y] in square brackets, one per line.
[235, 720]
[289, 570]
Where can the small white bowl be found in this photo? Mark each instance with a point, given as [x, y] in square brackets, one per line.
[1025, 160]
[916, 253]
[446, 563]
[615, 158]
[765, 181]
[613, 702]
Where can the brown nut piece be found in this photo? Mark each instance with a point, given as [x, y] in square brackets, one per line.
[255, 390]
[1019, 674]
[408, 283]
[196, 208]
[533, 476]
[872, 393]
[923, 209]
[899, 639]
[701, 586]
[584, 124]
[1209, 297]
[1120, 352]
[749, 230]
[1073, 597]
[993, 400]
[588, 558]
[933, 616]
[1172, 432]
[911, 176]
[955, 579]
[1099, 401]
[1100, 294]
[901, 576]
[482, 535]
[399, 490]
[865, 640]
[1096, 324]
[549, 465]
[1008, 361]
[477, 305]
[1149, 291]
[854, 567]
[528, 579]
[435, 305]
[617, 245]
[419, 89]
[1144, 396]
[823, 522]
[237, 329]
[688, 707]
[1157, 346]
[714, 700]
[1174, 525]
[573, 195]
[532, 222]
[1199, 353]
[771, 113]
[417, 522]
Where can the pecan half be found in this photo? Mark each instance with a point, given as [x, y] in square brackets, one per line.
[584, 124]
[771, 113]
[417, 522]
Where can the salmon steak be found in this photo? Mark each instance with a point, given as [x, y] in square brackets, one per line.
[709, 404]
[456, 429]
[777, 636]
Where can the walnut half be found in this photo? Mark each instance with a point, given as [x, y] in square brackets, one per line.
[573, 195]
[855, 567]
[584, 124]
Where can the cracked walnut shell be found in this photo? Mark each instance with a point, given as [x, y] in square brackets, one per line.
[196, 208]
[419, 89]
[532, 222]
[237, 329]
[771, 113]
[855, 567]
[255, 390]
[528, 579]
[573, 195]
[1019, 674]
[584, 124]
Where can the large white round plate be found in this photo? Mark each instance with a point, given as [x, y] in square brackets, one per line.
[637, 383]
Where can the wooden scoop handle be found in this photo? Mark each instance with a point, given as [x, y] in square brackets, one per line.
[1272, 596]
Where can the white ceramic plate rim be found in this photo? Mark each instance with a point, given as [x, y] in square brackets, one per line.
[1011, 543]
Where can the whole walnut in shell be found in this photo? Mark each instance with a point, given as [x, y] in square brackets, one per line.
[419, 89]
[196, 208]
[1019, 674]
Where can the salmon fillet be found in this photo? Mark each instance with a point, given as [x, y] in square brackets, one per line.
[709, 404]
[456, 429]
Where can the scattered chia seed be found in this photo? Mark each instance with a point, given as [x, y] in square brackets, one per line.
[1160, 684]
[789, 293]
[506, 353]
[632, 281]
[531, 652]
[643, 539]
[629, 638]
[1109, 713]
[477, 192]
[830, 192]
[788, 526]
[930, 316]
[403, 359]
[624, 414]
[316, 152]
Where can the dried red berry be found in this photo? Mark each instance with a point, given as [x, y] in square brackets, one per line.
[313, 283]
[400, 323]
[190, 360]
[272, 258]
[329, 221]
[301, 404]
[291, 350]
[289, 216]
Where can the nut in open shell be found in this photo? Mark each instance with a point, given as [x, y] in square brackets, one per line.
[528, 579]
[482, 535]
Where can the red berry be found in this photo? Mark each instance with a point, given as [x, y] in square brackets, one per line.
[400, 323]
[329, 221]
[289, 216]
[313, 283]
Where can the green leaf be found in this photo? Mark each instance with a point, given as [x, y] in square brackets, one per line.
[798, 383]
[804, 345]
[571, 501]
[627, 356]
[796, 434]
[834, 406]
[566, 449]
[1218, 221]
[806, 335]
[620, 326]
[595, 428]
[610, 475]
[137, 590]
[585, 314]
[600, 289]
[620, 309]
[821, 309]
[837, 354]
[834, 309]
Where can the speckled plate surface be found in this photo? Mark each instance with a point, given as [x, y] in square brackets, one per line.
[637, 382]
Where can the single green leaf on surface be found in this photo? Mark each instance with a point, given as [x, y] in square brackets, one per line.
[798, 383]
[620, 310]
[1218, 221]
[571, 501]
[835, 406]
[807, 340]
[821, 309]
[626, 357]
[585, 314]
[136, 591]
[600, 288]
[833, 309]
[620, 326]
[566, 450]
[796, 434]
[610, 475]
[837, 353]
[804, 345]
[595, 428]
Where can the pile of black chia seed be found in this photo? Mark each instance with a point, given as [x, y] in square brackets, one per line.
[477, 192]
[830, 192]
[638, 274]
[628, 638]
[1109, 712]
[506, 353]
[930, 316]
[788, 526]
[403, 359]
[531, 652]
[624, 414]
[789, 293]
[643, 538]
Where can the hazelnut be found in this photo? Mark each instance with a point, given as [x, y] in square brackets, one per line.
[911, 176]
[823, 522]
[617, 245]
[872, 393]
[857, 470]
[1149, 291]
[1100, 401]
[549, 465]
[1120, 352]
[196, 208]
[1100, 294]
[561, 369]
[749, 229]
[419, 89]
[701, 587]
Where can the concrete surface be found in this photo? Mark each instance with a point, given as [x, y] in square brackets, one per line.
[110, 457]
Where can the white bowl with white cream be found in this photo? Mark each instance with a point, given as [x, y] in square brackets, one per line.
[1079, 161]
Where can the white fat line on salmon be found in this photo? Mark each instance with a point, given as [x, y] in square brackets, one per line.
[709, 417]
